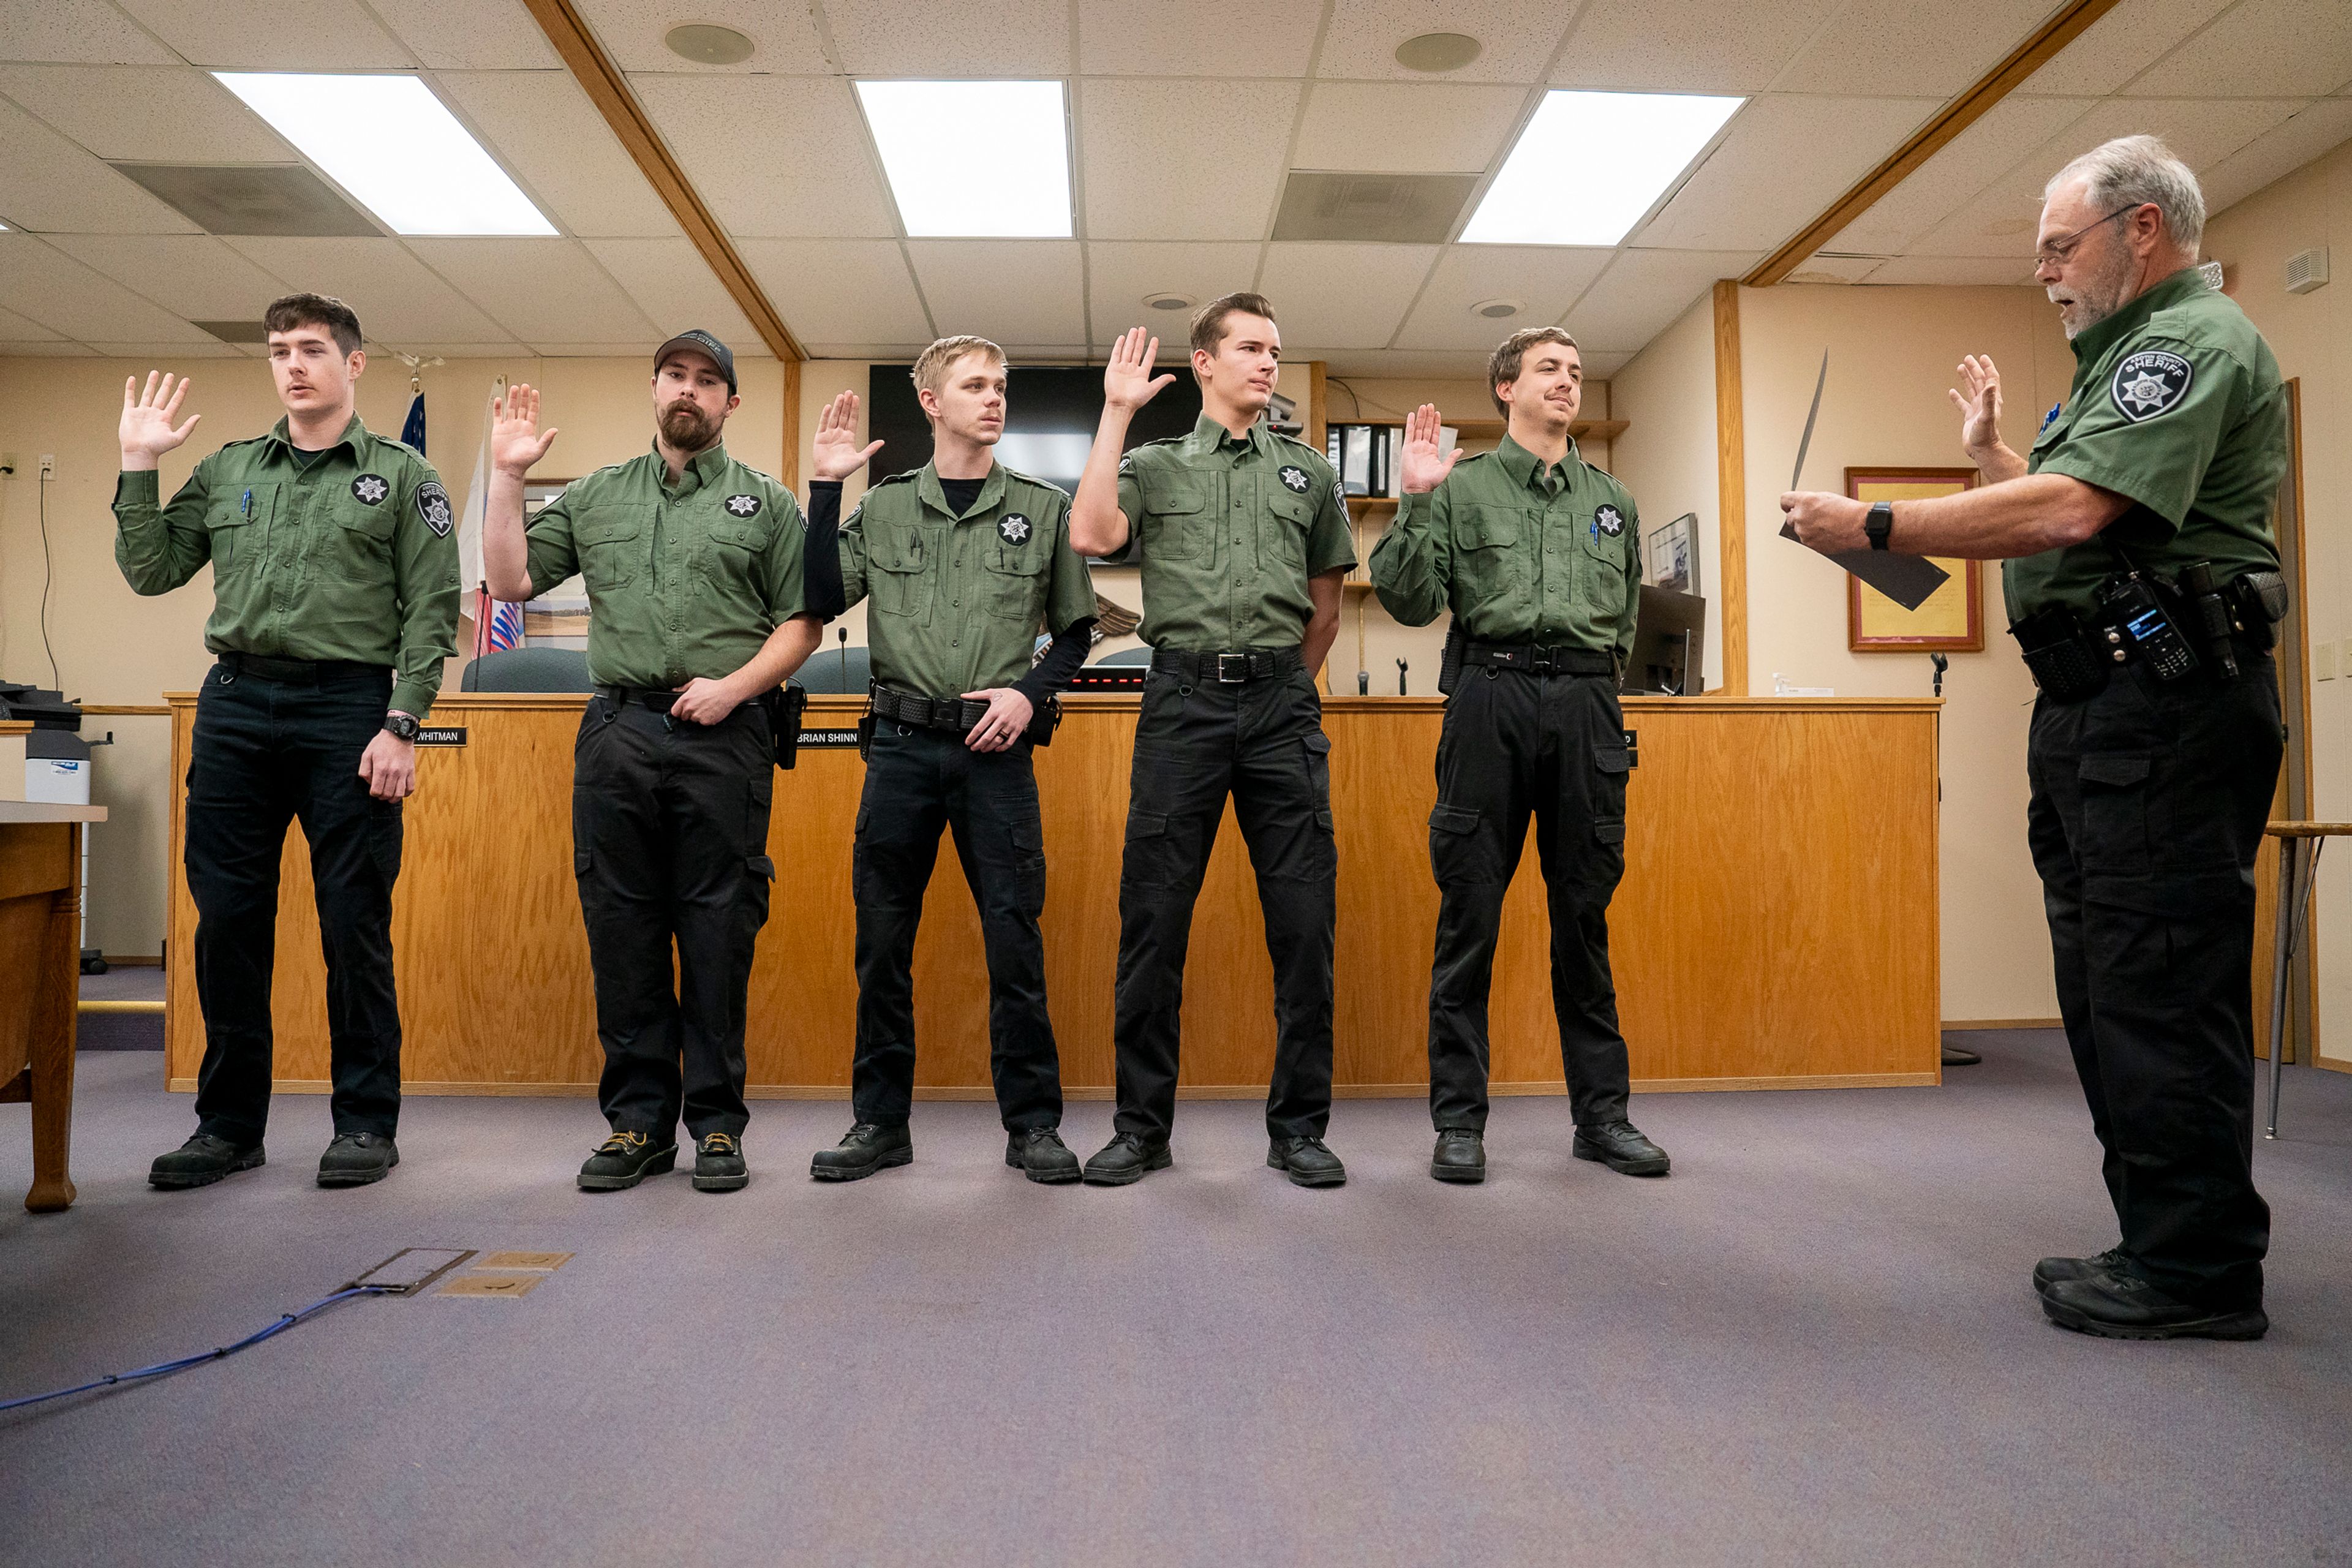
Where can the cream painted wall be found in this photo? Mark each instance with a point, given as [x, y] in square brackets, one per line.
[2312, 335]
[1666, 455]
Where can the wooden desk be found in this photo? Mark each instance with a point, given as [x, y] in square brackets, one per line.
[1777, 927]
[40, 957]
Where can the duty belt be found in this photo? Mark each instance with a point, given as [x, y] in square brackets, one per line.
[303, 671]
[1533, 660]
[646, 696]
[954, 714]
[1226, 668]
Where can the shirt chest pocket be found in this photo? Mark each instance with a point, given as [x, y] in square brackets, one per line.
[1012, 584]
[735, 551]
[362, 539]
[611, 544]
[1178, 524]
[1283, 539]
[1486, 549]
[897, 559]
[238, 522]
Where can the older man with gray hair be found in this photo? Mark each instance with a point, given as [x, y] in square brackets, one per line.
[2142, 581]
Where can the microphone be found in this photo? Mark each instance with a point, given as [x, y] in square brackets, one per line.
[842, 633]
[1941, 664]
[1401, 669]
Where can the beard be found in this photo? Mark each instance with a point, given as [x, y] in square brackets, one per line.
[687, 429]
[2085, 302]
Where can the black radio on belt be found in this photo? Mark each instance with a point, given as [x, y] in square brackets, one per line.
[2141, 627]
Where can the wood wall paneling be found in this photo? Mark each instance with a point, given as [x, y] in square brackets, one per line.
[1731, 489]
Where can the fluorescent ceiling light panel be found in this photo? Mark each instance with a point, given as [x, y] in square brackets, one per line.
[1591, 164]
[974, 159]
[393, 146]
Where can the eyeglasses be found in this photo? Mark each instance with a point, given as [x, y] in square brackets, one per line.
[2058, 252]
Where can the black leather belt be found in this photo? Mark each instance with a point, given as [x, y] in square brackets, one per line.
[1533, 660]
[1226, 668]
[303, 671]
[955, 714]
[645, 695]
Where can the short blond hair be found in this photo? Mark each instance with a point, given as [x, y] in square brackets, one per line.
[932, 366]
[1503, 364]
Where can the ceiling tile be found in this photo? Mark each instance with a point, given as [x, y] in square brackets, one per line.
[1119, 38]
[839, 291]
[542, 127]
[2316, 130]
[1344, 296]
[1600, 366]
[951, 39]
[1950, 269]
[1120, 273]
[1374, 364]
[1519, 37]
[1903, 47]
[774, 157]
[1644, 292]
[264, 35]
[1820, 269]
[1406, 128]
[191, 274]
[1182, 160]
[540, 291]
[887, 354]
[1544, 278]
[399, 301]
[783, 37]
[2273, 48]
[88, 32]
[1021, 293]
[1970, 162]
[2119, 46]
[1715, 47]
[1782, 160]
[676, 290]
[17, 328]
[38, 281]
[145, 114]
[49, 185]
[45, 348]
[208, 348]
[471, 34]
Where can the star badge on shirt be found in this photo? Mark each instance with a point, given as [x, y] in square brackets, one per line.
[1012, 528]
[370, 488]
[1608, 521]
[2150, 383]
[1296, 479]
[432, 506]
[743, 506]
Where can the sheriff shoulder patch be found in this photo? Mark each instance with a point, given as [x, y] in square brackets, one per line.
[433, 508]
[2150, 383]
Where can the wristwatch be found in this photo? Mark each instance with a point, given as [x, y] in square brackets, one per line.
[1879, 523]
[401, 727]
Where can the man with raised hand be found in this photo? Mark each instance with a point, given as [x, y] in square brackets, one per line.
[692, 560]
[1536, 553]
[334, 602]
[1244, 545]
[960, 560]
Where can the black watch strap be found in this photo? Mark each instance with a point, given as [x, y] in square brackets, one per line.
[1879, 523]
[399, 726]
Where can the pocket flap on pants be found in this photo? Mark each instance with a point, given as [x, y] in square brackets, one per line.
[2119, 769]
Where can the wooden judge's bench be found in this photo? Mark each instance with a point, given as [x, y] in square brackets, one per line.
[1777, 927]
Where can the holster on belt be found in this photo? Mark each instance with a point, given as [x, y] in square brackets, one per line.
[785, 705]
[1044, 722]
[2059, 657]
[1449, 660]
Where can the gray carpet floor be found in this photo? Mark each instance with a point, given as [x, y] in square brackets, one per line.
[1815, 1343]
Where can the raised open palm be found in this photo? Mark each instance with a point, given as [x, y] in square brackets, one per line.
[147, 416]
[1977, 397]
[1127, 381]
[1422, 466]
[836, 454]
[515, 440]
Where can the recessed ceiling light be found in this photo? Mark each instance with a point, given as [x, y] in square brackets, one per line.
[707, 44]
[1591, 164]
[1495, 310]
[393, 146]
[926, 131]
[1437, 52]
[1169, 301]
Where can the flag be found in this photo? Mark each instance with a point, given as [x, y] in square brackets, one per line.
[496, 626]
[412, 433]
[505, 623]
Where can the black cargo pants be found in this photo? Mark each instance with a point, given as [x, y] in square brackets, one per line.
[264, 753]
[669, 842]
[1515, 742]
[2147, 809]
[919, 781]
[1196, 741]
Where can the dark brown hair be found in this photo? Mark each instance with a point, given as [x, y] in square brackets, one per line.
[1503, 364]
[1209, 320]
[314, 311]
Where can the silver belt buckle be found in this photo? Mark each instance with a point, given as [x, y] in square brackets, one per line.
[1238, 663]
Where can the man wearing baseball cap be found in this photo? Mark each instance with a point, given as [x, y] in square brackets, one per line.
[694, 615]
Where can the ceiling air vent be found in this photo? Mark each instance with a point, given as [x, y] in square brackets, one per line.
[252, 198]
[2307, 270]
[1396, 209]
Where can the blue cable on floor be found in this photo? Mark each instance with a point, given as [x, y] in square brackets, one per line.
[160, 1368]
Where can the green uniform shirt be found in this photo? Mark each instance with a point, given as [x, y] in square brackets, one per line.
[1231, 530]
[958, 600]
[1520, 552]
[2176, 406]
[353, 557]
[685, 580]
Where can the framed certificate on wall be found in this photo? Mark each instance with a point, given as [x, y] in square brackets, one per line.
[1951, 620]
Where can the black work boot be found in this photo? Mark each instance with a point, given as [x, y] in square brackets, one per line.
[1621, 1146]
[2052, 1271]
[1460, 1155]
[1308, 1163]
[718, 1164]
[201, 1160]
[623, 1160]
[1124, 1160]
[355, 1159]
[2120, 1305]
[865, 1150]
[1039, 1154]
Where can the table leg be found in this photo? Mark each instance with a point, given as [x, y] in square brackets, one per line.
[56, 993]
